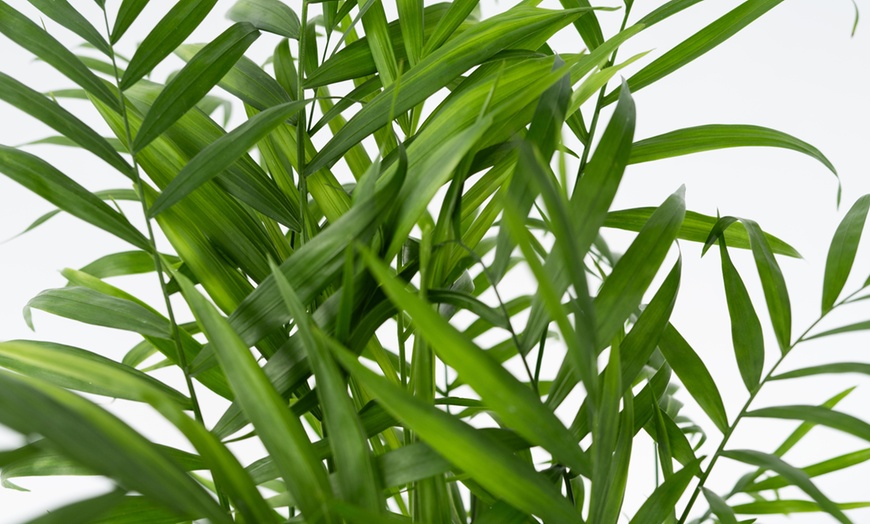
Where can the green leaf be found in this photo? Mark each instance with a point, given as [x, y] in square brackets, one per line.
[517, 406]
[169, 33]
[794, 475]
[46, 181]
[824, 369]
[194, 81]
[98, 440]
[835, 464]
[663, 500]
[696, 228]
[281, 432]
[484, 459]
[720, 136]
[694, 375]
[66, 15]
[772, 281]
[358, 483]
[446, 63]
[214, 158]
[696, 45]
[785, 507]
[623, 290]
[53, 115]
[81, 370]
[127, 14]
[83, 512]
[126, 263]
[817, 415]
[842, 252]
[32, 37]
[746, 335]
[665, 11]
[92, 307]
[720, 507]
[272, 16]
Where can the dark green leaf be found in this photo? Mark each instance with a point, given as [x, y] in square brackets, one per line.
[194, 81]
[127, 14]
[66, 15]
[663, 500]
[169, 33]
[43, 179]
[841, 254]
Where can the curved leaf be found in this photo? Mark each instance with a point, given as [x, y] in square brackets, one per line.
[273, 16]
[46, 181]
[842, 252]
[66, 15]
[663, 500]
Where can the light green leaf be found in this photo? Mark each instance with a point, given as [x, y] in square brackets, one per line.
[81, 370]
[785, 507]
[46, 181]
[194, 81]
[169, 33]
[719, 136]
[817, 415]
[794, 475]
[824, 369]
[720, 507]
[696, 45]
[842, 252]
[267, 15]
[696, 228]
[835, 464]
[83, 512]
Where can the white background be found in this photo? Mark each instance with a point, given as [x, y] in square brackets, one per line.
[796, 69]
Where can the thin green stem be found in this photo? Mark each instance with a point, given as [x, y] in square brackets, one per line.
[727, 436]
[158, 262]
[300, 127]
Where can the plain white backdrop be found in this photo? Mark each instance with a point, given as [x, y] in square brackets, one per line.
[796, 69]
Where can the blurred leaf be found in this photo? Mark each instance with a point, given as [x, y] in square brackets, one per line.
[194, 81]
[780, 507]
[824, 369]
[83, 512]
[817, 415]
[835, 464]
[841, 254]
[720, 507]
[96, 439]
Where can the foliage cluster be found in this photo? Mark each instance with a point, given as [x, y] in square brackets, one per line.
[389, 176]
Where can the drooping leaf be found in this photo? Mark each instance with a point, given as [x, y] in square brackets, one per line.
[273, 16]
[46, 181]
[828, 466]
[32, 37]
[62, 12]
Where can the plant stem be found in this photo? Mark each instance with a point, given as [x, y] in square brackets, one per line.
[158, 262]
[744, 409]
[300, 129]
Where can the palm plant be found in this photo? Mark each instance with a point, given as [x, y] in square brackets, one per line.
[345, 252]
